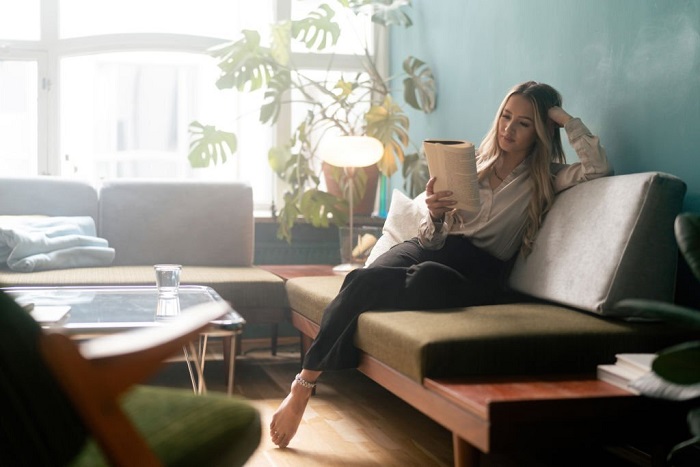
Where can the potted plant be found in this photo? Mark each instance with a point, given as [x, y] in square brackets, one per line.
[678, 365]
[337, 104]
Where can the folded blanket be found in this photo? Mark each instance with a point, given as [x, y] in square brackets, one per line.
[36, 244]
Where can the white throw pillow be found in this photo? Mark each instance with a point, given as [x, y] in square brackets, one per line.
[402, 222]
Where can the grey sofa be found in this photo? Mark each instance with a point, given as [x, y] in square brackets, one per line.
[602, 241]
[205, 226]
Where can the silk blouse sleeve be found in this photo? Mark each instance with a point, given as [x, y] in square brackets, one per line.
[593, 162]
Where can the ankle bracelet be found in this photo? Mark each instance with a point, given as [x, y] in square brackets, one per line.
[303, 382]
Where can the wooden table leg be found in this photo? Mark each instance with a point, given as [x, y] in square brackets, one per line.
[465, 455]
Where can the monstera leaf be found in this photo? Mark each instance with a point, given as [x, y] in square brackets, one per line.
[388, 123]
[419, 87]
[245, 65]
[679, 364]
[209, 145]
[318, 30]
[687, 229]
[318, 207]
[384, 12]
[292, 167]
[415, 173]
[278, 85]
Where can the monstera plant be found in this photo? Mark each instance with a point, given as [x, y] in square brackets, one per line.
[339, 103]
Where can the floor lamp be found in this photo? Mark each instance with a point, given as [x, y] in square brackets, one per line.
[350, 153]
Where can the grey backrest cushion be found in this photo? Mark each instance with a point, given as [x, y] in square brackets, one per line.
[606, 240]
[193, 223]
[47, 196]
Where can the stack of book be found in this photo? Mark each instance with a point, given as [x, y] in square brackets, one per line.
[628, 367]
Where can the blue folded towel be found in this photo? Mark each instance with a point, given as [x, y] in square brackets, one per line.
[40, 243]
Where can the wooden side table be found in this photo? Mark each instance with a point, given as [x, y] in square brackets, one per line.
[501, 414]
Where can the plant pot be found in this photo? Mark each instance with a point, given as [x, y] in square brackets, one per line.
[366, 204]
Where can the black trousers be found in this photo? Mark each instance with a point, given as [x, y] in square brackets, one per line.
[405, 277]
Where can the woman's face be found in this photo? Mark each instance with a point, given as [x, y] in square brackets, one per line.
[516, 126]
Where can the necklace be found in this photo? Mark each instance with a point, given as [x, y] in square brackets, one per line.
[495, 171]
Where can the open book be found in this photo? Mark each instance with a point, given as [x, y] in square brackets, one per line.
[453, 163]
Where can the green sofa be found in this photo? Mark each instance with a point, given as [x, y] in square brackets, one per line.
[602, 241]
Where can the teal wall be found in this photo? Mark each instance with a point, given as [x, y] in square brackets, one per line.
[629, 68]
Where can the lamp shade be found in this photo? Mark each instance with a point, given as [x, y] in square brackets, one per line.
[351, 151]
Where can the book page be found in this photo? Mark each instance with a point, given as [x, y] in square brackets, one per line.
[453, 163]
[639, 362]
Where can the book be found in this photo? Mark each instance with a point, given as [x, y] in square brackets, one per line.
[617, 375]
[628, 367]
[453, 164]
[640, 363]
[632, 371]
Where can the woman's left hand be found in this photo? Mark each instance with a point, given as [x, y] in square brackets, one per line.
[559, 116]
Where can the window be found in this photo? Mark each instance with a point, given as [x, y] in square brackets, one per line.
[108, 89]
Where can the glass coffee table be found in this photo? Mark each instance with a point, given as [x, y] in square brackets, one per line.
[85, 312]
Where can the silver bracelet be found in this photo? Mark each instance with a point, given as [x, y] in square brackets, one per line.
[303, 382]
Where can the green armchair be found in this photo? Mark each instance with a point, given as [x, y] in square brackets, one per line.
[66, 403]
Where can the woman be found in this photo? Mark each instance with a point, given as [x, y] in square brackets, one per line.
[459, 258]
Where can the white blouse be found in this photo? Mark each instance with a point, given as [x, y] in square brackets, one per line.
[498, 227]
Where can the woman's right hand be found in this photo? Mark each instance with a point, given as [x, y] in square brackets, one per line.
[438, 203]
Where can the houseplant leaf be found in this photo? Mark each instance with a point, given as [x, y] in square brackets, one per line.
[281, 34]
[292, 167]
[245, 65]
[209, 145]
[388, 123]
[679, 364]
[277, 86]
[415, 174]
[384, 12]
[687, 230]
[419, 87]
[323, 208]
[656, 310]
[317, 31]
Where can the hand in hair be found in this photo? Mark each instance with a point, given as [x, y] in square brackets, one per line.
[559, 116]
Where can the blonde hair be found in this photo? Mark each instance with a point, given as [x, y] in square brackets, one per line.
[546, 149]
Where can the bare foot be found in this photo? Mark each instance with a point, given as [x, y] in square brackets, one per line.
[288, 416]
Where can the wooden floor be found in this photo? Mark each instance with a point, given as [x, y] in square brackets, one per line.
[351, 421]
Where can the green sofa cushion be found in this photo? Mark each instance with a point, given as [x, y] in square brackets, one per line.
[184, 429]
[518, 338]
[509, 339]
[311, 295]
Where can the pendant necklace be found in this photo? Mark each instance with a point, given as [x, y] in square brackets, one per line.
[495, 171]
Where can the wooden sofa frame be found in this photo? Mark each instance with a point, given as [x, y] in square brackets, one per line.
[498, 415]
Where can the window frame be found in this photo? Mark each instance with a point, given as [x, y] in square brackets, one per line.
[49, 50]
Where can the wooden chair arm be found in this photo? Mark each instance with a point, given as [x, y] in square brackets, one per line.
[95, 374]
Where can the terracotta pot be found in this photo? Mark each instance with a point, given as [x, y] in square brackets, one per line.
[366, 204]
